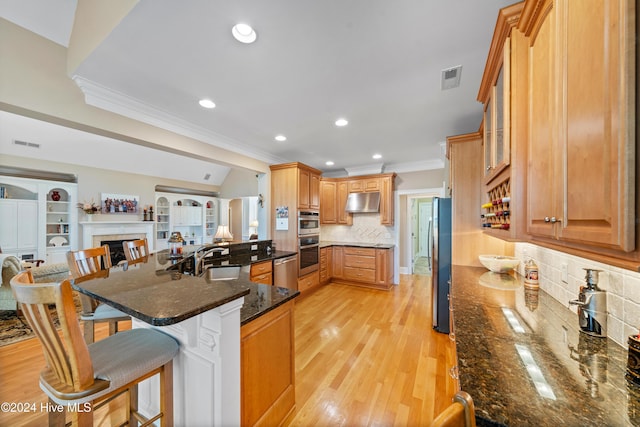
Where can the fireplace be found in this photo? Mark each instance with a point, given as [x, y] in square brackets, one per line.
[115, 249]
[114, 233]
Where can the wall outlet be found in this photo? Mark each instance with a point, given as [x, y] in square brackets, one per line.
[565, 272]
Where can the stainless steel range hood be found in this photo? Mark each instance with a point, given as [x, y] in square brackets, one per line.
[363, 202]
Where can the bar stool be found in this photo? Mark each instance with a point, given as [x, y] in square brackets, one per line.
[136, 251]
[90, 264]
[80, 376]
[460, 413]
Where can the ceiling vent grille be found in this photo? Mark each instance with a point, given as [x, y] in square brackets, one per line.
[26, 144]
[451, 77]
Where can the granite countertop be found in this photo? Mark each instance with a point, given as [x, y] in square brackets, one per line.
[160, 297]
[585, 374]
[327, 243]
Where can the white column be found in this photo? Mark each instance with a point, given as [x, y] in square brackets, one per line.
[206, 372]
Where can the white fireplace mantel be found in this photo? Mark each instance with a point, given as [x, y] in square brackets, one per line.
[91, 229]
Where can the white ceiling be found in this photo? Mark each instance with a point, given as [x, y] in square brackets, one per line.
[377, 63]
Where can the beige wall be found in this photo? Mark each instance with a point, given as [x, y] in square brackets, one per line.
[433, 178]
[239, 183]
[93, 181]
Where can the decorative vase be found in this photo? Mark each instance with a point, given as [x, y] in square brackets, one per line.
[55, 196]
[89, 218]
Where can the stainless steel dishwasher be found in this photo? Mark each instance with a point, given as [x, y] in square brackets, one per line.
[285, 272]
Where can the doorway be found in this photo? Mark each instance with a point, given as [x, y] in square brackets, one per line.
[420, 208]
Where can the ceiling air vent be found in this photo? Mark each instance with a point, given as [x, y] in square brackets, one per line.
[26, 144]
[451, 77]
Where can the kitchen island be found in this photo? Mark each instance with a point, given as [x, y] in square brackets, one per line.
[205, 317]
[524, 362]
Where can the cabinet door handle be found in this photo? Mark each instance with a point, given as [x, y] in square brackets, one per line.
[488, 168]
[554, 220]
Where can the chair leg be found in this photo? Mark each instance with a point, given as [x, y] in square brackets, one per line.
[81, 419]
[88, 331]
[166, 394]
[113, 327]
[133, 405]
[56, 419]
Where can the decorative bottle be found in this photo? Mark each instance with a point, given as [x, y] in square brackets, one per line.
[531, 273]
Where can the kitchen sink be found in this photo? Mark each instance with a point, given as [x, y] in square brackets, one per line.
[223, 272]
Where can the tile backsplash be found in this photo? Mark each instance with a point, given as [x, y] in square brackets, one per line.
[622, 286]
[366, 228]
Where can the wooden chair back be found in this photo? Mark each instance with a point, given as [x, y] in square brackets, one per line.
[89, 264]
[460, 413]
[136, 250]
[67, 354]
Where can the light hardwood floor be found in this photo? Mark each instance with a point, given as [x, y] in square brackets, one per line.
[363, 358]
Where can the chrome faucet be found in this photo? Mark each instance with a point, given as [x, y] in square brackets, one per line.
[592, 306]
[198, 259]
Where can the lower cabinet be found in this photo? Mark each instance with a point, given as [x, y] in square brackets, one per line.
[370, 267]
[268, 367]
[326, 260]
[308, 281]
[262, 272]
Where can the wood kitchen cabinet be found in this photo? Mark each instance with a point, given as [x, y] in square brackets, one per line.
[262, 272]
[333, 199]
[335, 191]
[362, 266]
[308, 189]
[326, 261]
[297, 187]
[308, 282]
[268, 367]
[581, 158]
[384, 267]
[503, 92]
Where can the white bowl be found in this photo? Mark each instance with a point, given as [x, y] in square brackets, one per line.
[499, 263]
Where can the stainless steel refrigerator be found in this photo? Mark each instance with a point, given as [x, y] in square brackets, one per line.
[441, 262]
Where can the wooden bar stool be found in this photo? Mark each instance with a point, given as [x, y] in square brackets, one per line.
[460, 413]
[90, 264]
[80, 376]
[136, 251]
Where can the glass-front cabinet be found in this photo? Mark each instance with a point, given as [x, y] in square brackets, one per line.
[496, 131]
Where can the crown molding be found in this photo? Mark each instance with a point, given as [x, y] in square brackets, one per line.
[107, 99]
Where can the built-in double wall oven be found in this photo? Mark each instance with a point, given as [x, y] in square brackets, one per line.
[308, 242]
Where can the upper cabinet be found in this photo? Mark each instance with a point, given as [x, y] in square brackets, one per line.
[308, 189]
[503, 95]
[581, 167]
[335, 191]
[495, 95]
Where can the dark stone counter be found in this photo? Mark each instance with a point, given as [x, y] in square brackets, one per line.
[326, 243]
[585, 375]
[160, 297]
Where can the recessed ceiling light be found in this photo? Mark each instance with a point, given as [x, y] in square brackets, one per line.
[377, 156]
[329, 163]
[280, 138]
[207, 103]
[244, 33]
[341, 122]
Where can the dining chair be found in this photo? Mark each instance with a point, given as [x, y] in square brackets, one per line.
[460, 413]
[88, 264]
[84, 377]
[136, 251]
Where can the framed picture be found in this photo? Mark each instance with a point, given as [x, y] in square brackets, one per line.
[119, 203]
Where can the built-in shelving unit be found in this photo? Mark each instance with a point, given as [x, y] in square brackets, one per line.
[38, 218]
[163, 216]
